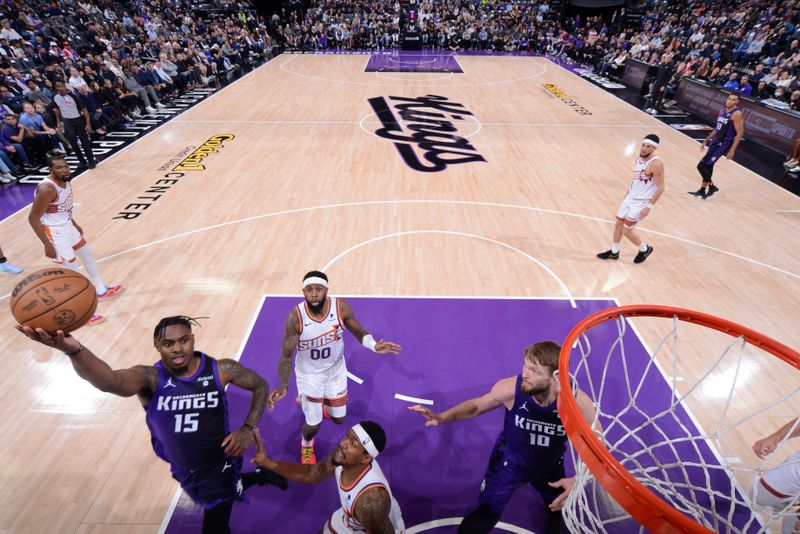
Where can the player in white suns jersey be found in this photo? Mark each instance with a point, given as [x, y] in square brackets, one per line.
[367, 501]
[315, 330]
[51, 219]
[646, 188]
[779, 486]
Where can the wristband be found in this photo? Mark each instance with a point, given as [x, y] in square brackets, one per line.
[248, 425]
[74, 352]
[369, 342]
[650, 205]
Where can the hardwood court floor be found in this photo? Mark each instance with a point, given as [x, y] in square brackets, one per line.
[306, 184]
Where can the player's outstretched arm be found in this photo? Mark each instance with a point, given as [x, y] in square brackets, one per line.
[351, 323]
[122, 382]
[372, 509]
[291, 336]
[767, 445]
[231, 371]
[502, 393]
[305, 474]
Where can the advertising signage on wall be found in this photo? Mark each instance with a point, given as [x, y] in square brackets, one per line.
[767, 126]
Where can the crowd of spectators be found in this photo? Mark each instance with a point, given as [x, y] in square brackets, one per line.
[752, 47]
[119, 60]
[100, 64]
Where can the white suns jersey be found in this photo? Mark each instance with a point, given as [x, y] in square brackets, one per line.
[372, 477]
[59, 212]
[321, 343]
[643, 187]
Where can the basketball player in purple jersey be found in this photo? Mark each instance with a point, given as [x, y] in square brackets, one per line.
[186, 409]
[530, 449]
[314, 330]
[722, 141]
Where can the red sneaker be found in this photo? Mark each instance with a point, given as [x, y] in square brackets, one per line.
[307, 456]
[96, 319]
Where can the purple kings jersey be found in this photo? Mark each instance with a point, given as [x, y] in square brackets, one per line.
[534, 435]
[725, 131]
[188, 417]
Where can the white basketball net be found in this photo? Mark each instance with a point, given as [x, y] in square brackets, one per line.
[643, 412]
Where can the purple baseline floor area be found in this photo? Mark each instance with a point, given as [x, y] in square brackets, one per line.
[404, 61]
[453, 349]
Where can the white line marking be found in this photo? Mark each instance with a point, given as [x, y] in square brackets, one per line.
[249, 331]
[354, 378]
[544, 68]
[168, 515]
[413, 399]
[459, 234]
[443, 202]
[788, 211]
[733, 459]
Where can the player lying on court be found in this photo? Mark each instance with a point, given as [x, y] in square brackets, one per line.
[530, 449]
[315, 330]
[367, 501]
[186, 410]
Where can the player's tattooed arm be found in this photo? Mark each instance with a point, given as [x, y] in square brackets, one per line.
[232, 372]
[305, 474]
[372, 511]
[291, 336]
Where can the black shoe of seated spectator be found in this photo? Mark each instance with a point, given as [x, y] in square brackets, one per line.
[18, 173]
[92, 165]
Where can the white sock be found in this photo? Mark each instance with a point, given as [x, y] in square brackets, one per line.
[305, 443]
[71, 265]
[87, 258]
[614, 247]
[643, 247]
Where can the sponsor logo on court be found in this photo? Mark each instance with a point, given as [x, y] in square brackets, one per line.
[562, 95]
[422, 132]
[193, 162]
[190, 159]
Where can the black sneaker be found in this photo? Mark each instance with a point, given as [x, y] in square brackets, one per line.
[641, 256]
[265, 477]
[711, 190]
[699, 193]
[608, 255]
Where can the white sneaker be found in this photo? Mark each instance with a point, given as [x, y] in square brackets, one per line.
[6, 178]
[160, 105]
[150, 110]
[136, 113]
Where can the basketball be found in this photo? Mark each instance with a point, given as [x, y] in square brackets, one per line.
[54, 299]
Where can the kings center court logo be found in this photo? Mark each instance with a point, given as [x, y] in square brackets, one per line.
[424, 131]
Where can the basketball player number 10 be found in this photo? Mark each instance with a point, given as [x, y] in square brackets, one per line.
[540, 440]
[317, 354]
[186, 422]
